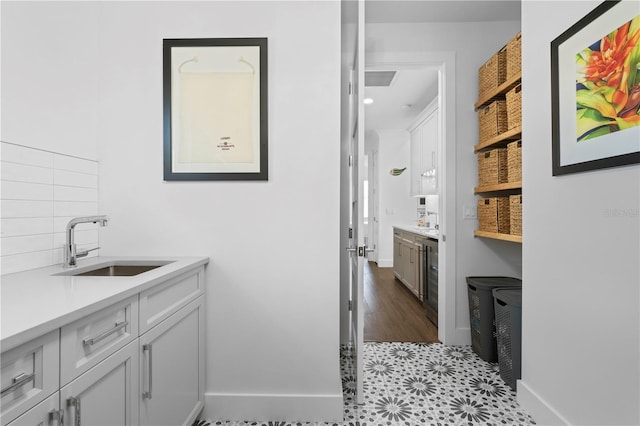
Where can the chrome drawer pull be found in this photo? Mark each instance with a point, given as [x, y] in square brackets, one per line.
[20, 380]
[57, 415]
[75, 402]
[93, 340]
[148, 350]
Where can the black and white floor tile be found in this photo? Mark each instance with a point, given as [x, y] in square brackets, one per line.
[411, 384]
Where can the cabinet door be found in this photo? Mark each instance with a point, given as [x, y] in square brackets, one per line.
[172, 366]
[429, 159]
[47, 413]
[397, 258]
[416, 150]
[411, 268]
[107, 394]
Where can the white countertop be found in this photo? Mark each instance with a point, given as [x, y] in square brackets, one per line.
[420, 230]
[35, 302]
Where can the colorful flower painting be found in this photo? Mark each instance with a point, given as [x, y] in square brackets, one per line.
[608, 83]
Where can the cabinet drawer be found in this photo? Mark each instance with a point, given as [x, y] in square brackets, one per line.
[86, 342]
[46, 413]
[161, 301]
[29, 375]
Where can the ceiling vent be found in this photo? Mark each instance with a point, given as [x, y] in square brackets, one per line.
[378, 78]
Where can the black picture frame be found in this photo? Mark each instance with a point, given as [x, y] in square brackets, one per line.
[563, 106]
[215, 117]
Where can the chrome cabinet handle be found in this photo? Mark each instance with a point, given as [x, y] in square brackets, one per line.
[93, 340]
[147, 348]
[56, 415]
[20, 380]
[75, 402]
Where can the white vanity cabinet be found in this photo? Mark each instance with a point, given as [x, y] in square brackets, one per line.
[137, 361]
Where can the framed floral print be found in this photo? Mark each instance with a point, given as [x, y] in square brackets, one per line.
[595, 89]
[215, 109]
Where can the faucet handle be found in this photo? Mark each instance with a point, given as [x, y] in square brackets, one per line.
[85, 252]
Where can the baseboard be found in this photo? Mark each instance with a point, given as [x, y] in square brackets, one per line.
[290, 408]
[543, 413]
[385, 263]
[458, 337]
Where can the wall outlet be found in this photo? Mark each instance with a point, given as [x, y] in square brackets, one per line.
[469, 212]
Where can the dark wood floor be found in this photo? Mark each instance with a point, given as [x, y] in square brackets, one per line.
[392, 313]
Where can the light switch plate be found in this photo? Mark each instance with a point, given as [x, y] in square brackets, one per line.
[469, 212]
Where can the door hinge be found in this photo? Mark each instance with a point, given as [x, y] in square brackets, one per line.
[349, 87]
[350, 160]
[350, 232]
[350, 305]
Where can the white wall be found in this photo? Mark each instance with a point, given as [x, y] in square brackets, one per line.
[272, 330]
[396, 206]
[49, 79]
[472, 44]
[581, 232]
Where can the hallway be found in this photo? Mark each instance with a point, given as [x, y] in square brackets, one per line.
[392, 313]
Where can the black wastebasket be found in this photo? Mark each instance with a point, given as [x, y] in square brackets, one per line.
[508, 310]
[481, 313]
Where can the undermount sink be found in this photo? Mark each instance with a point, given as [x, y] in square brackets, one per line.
[114, 269]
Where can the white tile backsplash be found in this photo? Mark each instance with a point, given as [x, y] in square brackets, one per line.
[41, 192]
[26, 208]
[12, 190]
[24, 173]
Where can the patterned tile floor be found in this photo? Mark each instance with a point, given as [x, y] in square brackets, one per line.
[413, 384]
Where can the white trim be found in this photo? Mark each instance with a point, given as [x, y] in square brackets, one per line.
[271, 407]
[385, 263]
[541, 411]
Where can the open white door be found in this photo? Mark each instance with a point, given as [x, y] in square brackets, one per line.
[356, 247]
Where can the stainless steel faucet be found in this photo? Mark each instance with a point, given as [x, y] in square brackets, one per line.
[70, 252]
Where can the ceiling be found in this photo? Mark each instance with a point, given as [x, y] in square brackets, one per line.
[417, 87]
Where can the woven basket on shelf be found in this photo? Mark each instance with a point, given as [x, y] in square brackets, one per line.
[514, 56]
[492, 73]
[492, 167]
[492, 120]
[514, 161]
[514, 107]
[493, 214]
[515, 214]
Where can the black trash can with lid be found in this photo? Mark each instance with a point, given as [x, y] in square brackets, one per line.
[481, 313]
[508, 310]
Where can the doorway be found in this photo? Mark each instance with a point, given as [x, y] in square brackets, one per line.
[382, 273]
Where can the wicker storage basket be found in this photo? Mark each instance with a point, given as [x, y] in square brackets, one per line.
[492, 73]
[492, 120]
[492, 167]
[514, 56]
[515, 214]
[514, 161]
[493, 214]
[514, 107]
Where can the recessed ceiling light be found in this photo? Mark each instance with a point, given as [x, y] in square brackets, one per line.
[367, 101]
